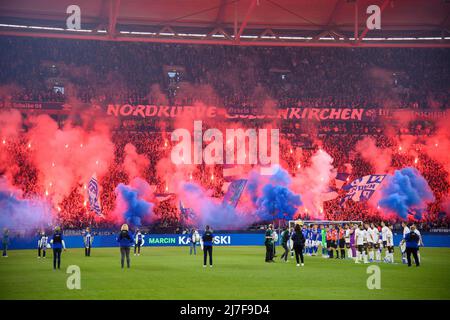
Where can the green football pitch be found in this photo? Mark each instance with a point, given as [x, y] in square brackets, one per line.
[238, 273]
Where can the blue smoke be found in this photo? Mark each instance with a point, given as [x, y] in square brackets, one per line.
[270, 195]
[135, 208]
[213, 213]
[276, 200]
[22, 214]
[280, 177]
[252, 186]
[256, 181]
[406, 192]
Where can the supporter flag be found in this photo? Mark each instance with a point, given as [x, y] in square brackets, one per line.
[341, 179]
[93, 193]
[332, 192]
[363, 188]
[234, 193]
[186, 213]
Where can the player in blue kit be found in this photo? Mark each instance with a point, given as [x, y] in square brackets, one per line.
[319, 238]
[306, 234]
[312, 239]
[315, 234]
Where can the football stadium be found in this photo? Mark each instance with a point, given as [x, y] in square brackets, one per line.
[225, 150]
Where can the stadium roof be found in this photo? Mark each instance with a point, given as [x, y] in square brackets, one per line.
[405, 23]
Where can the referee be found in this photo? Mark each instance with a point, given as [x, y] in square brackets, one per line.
[269, 244]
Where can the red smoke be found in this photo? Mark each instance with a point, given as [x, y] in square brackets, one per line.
[134, 163]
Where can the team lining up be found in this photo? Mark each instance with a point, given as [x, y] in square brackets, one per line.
[361, 242]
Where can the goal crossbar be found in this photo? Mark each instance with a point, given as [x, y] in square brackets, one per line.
[319, 222]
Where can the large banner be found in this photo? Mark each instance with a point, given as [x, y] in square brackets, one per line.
[234, 193]
[292, 113]
[133, 113]
[201, 112]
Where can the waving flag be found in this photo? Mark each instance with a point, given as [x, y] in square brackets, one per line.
[341, 179]
[186, 213]
[93, 193]
[234, 193]
[363, 188]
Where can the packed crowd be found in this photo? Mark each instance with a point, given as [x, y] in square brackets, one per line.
[230, 76]
[74, 213]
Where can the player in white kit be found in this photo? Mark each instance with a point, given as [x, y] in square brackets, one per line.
[402, 243]
[384, 230]
[420, 241]
[389, 245]
[361, 244]
[376, 242]
[42, 245]
[347, 241]
[370, 242]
